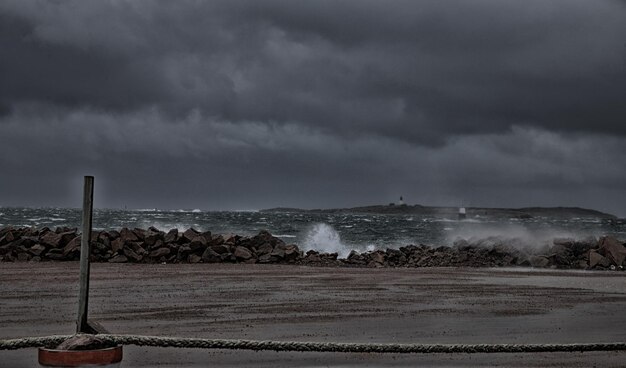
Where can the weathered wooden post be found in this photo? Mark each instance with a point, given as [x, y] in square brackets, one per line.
[66, 356]
[85, 251]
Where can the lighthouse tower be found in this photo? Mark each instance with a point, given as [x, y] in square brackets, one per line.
[462, 214]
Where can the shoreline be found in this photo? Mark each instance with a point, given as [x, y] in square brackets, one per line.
[155, 246]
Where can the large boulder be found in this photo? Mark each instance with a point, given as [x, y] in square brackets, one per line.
[265, 249]
[118, 259]
[117, 245]
[37, 249]
[279, 251]
[171, 236]
[539, 261]
[188, 236]
[291, 252]
[220, 248]
[160, 252]
[7, 237]
[51, 240]
[152, 237]
[211, 256]
[377, 257]
[194, 258]
[612, 249]
[596, 259]
[131, 254]
[73, 246]
[128, 235]
[242, 253]
[198, 242]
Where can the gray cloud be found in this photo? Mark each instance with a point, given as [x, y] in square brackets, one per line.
[316, 103]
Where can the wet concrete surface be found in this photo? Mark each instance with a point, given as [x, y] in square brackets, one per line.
[274, 302]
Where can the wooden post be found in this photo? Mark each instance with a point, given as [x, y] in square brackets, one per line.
[85, 251]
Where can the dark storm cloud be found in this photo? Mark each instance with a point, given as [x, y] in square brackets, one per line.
[427, 69]
[318, 103]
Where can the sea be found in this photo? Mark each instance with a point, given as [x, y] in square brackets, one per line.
[328, 232]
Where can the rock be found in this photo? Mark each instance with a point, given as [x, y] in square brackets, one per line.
[264, 249]
[539, 261]
[51, 239]
[137, 248]
[159, 244]
[228, 257]
[183, 252]
[152, 238]
[582, 264]
[67, 236]
[160, 252]
[265, 258]
[216, 240]
[28, 241]
[118, 259]
[104, 239]
[207, 235]
[377, 257]
[291, 252]
[117, 245]
[559, 249]
[153, 229]
[220, 248]
[279, 251]
[73, 246]
[7, 238]
[23, 257]
[55, 254]
[139, 233]
[612, 249]
[374, 264]
[242, 253]
[314, 258]
[99, 248]
[194, 258]
[131, 254]
[199, 242]
[189, 235]
[128, 236]
[171, 236]
[37, 249]
[210, 256]
[596, 259]
[566, 242]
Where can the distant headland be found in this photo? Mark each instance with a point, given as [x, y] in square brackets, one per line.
[525, 212]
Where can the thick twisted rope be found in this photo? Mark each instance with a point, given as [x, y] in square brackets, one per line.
[178, 342]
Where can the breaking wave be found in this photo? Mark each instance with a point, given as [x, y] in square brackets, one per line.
[324, 238]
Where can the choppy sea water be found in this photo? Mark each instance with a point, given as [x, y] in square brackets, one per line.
[332, 232]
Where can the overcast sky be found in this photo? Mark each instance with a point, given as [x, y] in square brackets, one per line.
[255, 104]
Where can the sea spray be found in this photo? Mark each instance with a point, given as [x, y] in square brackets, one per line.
[515, 235]
[324, 238]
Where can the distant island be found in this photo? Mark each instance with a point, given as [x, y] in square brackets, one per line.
[526, 212]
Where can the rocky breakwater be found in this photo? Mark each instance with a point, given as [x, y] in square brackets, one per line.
[144, 246]
[191, 246]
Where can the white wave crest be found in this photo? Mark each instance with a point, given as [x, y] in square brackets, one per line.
[324, 238]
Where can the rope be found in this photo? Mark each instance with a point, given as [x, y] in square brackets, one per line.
[177, 342]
